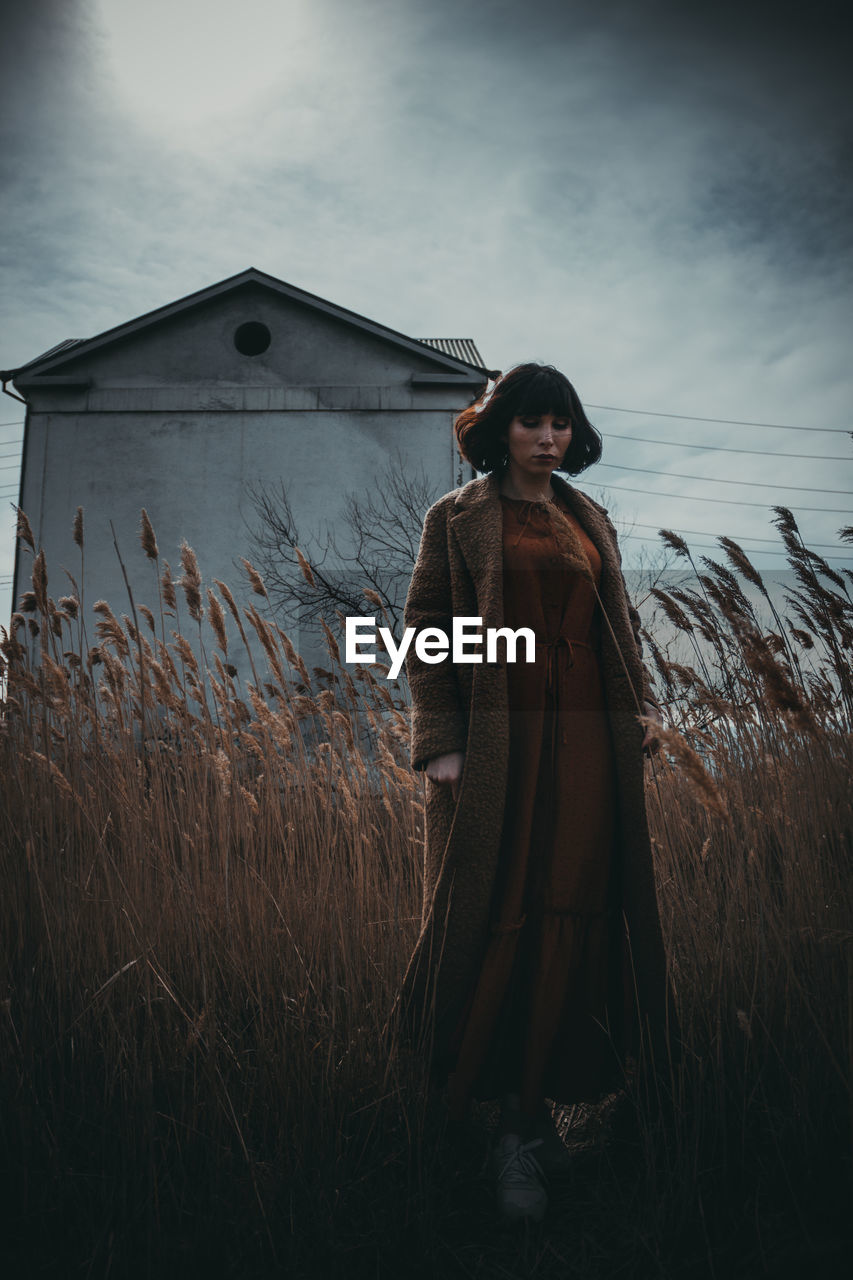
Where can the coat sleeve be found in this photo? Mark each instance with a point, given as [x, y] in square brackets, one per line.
[636, 623]
[438, 722]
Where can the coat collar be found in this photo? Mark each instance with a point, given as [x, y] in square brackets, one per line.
[477, 522]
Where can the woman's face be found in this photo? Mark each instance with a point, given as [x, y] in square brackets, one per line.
[536, 443]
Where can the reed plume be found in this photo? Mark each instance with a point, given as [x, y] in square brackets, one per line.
[676, 615]
[23, 531]
[191, 582]
[167, 587]
[741, 562]
[147, 537]
[217, 621]
[305, 567]
[674, 542]
[254, 577]
[39, 577]
[148, 616]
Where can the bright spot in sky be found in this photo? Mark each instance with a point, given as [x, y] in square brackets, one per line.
[183, 64]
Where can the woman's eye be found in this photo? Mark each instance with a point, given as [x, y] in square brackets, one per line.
[534, 422]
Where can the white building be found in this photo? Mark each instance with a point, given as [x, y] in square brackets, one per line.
[181, 410]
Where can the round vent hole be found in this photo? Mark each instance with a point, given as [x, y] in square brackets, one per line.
[252, 338]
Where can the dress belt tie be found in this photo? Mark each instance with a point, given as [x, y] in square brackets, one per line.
[551, 647]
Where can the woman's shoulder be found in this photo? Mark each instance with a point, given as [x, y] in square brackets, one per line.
[446, 503]
[577, 495]
[441, 506]
[565, 489]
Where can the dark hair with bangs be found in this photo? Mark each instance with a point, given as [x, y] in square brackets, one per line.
[528, 389]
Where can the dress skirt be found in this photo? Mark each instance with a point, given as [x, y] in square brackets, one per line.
[535, 1021]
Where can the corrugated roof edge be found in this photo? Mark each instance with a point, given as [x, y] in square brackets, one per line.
[60, 346]
[459, 348]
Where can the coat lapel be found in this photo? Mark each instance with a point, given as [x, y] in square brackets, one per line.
[478, 527]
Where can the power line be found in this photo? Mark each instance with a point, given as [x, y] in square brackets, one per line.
[732, 502]
[19, 422]
[728, 422]
[720, 448]
[706, 533]
[750, 484]
[709, 546]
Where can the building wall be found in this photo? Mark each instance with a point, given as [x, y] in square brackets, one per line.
[177, 421]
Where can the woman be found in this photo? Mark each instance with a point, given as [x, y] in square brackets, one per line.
[540, 963]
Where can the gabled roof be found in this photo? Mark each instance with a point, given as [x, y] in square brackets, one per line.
[454, 356]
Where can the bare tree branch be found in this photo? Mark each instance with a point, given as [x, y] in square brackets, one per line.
[384, 529]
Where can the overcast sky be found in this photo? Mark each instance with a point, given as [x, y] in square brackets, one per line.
[655, 196]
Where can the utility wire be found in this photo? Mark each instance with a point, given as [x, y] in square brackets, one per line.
[709, 546]
[729, 422]
[720, 448]
[750, 484]
[706, 533]
[732, 502]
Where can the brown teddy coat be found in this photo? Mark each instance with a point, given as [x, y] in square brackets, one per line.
[463, 707]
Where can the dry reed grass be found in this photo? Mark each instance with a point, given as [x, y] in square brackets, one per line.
[210, 892]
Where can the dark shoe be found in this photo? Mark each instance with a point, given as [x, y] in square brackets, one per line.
[520, 1178]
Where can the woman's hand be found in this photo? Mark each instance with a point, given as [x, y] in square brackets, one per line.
[651, 742]
[447, 770]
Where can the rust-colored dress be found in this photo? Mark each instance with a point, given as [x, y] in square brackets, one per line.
[534, 1020]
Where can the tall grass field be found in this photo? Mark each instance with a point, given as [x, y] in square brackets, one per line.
[209, 890]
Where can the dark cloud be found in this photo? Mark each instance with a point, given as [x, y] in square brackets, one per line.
[751, 99]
